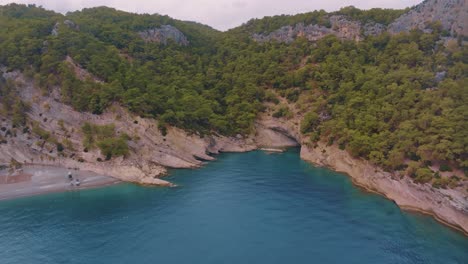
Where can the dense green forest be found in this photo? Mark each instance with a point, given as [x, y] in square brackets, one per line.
[399, 101]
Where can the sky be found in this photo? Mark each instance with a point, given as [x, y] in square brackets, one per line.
[219, 14]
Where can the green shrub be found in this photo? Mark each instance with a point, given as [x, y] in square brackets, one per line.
[283, 111]
[271, 97]
[311, 119]
[440, 183]
[43, 134]
[445, 167]
[113, 147]
[162, 127]
[423, 175]
[60, 147]
[104, 137]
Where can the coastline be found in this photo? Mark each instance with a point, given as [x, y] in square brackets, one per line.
[47, 176]
[41, 180]
[152, 153]
[408, 208]
[407, 195]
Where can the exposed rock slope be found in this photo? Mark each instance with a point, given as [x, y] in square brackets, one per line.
[452, 15]
[341, 27]
[163, 34]
[151, 152]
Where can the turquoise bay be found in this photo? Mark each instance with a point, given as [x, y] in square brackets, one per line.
[243, 208]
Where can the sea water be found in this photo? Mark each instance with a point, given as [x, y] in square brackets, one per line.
[242, 208]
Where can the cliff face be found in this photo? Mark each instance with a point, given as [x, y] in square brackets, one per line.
[341, 27]
[452, 15]
[151, 152]
[163, 34]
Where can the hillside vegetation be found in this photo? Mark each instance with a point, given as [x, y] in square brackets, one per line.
[399, 101]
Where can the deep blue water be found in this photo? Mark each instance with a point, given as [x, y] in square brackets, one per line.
[243, 208]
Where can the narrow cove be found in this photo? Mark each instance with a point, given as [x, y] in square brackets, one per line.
[250, 207]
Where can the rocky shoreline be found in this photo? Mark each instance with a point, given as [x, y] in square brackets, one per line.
[449, 207]
[152, 152]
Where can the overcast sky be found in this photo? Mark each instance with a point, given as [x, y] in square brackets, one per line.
[220, 14]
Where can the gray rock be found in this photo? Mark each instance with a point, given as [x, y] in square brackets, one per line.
[163, 34]
[452, 14]
[341, 26]
[54, 31]
[440, 76]
[374, 29]
[68, 23]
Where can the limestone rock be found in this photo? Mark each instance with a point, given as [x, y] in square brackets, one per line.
[163, 34]
[452, 14]
[68, 23]
[341, 26]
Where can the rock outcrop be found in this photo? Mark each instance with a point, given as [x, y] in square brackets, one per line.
[163, 34]
[68, 23]
[452, 15]
[341, 26]
[151, 152]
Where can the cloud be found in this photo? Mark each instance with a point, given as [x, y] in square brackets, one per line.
[220, 14]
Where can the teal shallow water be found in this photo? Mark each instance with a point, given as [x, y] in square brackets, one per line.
[243, 208]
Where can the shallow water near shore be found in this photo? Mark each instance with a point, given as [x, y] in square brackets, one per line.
[243, 208]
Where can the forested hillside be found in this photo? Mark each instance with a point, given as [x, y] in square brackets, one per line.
[398, 100]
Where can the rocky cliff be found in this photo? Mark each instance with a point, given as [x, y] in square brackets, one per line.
[151, 151]
[452, 15]
[341, 27]
[163, 34]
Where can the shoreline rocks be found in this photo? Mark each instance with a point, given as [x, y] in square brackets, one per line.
[447, 206]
